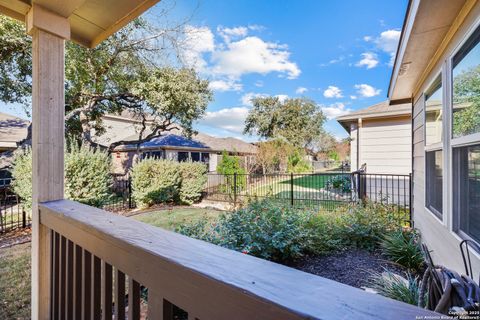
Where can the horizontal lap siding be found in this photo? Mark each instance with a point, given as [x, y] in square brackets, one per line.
[385, 146]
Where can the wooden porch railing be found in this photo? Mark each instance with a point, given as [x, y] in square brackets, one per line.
[100, 262]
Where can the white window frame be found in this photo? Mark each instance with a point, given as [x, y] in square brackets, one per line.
[439, 146]
[464, 141]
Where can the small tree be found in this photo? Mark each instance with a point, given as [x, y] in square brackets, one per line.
[230, 165]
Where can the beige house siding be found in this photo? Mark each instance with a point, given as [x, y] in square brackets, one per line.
[440, 236]
[385, 145]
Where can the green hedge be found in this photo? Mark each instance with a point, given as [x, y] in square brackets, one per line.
[163, 181]
[87, 175]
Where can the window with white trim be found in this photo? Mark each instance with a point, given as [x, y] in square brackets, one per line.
[466, 137]
[433, 148]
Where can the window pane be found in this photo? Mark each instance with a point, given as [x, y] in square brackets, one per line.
[467, 189]
[205, 157]
[466, 88]
[182, 156]
[434, 168]
[195, 156]
[433, 113]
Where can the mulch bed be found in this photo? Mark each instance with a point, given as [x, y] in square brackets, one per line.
[14, 237]
[353, 267]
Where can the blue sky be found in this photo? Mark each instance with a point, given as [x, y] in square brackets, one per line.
[337, 53]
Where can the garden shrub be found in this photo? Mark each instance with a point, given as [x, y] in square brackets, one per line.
[403, 246]
[263, 229]
[340, 182]
[87, 175]
[155, 181]
[193, 175]
[22, 175]
[367, 224]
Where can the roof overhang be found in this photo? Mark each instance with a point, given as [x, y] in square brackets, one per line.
[91, 21]
[425, 35]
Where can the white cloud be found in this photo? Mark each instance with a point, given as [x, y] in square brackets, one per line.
[230, 119]
[366, 90]
[301, 90]
[253, 55]
[232, 33]
[246, 99]
[388, 42]
[225, 85]
[370, 60]
[353, 97]
[259, 83]
[335, 110]
[198, 40]
[367, 38]
[332, 92]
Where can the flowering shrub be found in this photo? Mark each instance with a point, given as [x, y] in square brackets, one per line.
[193, 175]
[263, 228]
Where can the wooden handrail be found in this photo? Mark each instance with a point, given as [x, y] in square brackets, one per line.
[207, 281]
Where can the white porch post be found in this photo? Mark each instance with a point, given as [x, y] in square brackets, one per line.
[48, 99]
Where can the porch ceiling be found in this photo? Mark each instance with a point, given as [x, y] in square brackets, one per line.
[426, 25]
[91, 21]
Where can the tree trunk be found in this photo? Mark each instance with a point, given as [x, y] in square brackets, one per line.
[86, 129]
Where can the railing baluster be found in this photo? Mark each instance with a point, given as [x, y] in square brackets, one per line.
[133, 299]
[97, 288]
[155, 304]
[77, 284]
[62, 276]
[69, 280]
[87, 285]
[55, 276]
[119, 295]
[107, 284]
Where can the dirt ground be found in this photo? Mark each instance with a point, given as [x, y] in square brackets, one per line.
[353, 267]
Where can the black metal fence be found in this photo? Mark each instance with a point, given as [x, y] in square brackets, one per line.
[326, 190]
[121, 198]
[12, 212]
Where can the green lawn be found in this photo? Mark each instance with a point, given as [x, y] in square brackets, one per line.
[15, 282]
[174, 217]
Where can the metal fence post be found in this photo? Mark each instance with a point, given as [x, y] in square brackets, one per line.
[410, 198]
[129, 182]
[291, 189]
[235, 189]
[24, 218]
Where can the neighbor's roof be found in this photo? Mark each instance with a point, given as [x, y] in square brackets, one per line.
[425, 31]
[167, 141]
[228, 144]
[12, 130]
[128, 131]
[91, 21]
[379, 110]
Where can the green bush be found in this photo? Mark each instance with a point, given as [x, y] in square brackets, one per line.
[263, 228]
[403, 246]
[155, 181]
[87, 175]
[353, 226]
[194, 177]
[22, 175]
[340, 182]
[396, 287]
[296, 162]
[229, 166]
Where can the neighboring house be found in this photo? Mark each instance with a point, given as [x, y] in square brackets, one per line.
[436, 70]
[171, 145]
[380, 138]
[13, 131]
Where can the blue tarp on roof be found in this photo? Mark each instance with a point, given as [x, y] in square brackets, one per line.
[171, 140]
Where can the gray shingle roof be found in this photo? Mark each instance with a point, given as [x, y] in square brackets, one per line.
[379, 110]
[12, 130]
